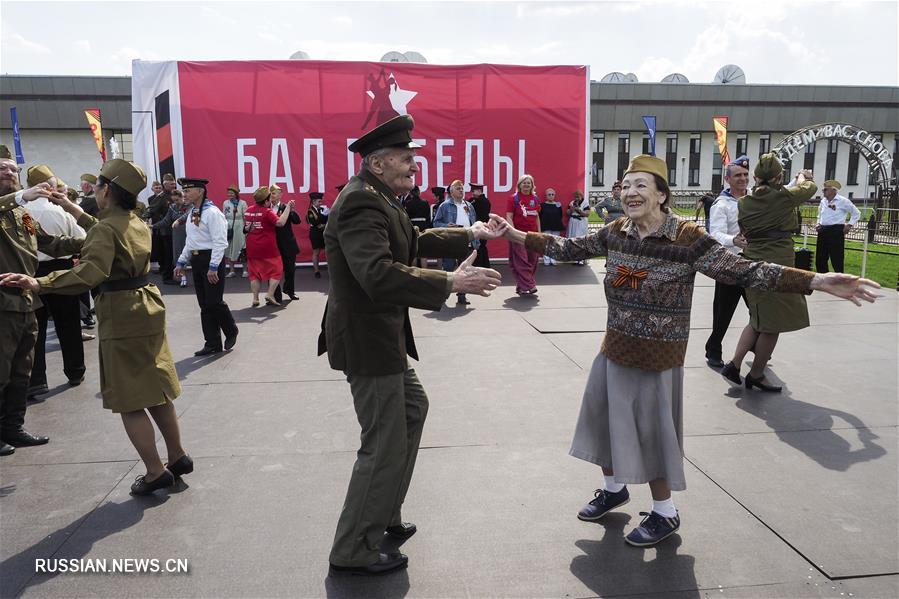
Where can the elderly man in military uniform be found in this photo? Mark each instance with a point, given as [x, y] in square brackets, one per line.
[370, 243]
[20, 239]
[87, 199]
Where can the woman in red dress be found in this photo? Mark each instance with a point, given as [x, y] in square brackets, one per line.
[263, 257]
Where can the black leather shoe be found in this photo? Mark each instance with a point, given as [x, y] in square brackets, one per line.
[6, 449]
[401, 531]
[387, 562]
[230, 340]
[293, 296]
[181, 466]
[207, 351]
[76, 382]
[714, 361]
[461, 299]
[753, 382]
[142, 487]
[732, 374]
[23, 438]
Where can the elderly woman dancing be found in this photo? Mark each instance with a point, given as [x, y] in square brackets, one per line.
[631, 418]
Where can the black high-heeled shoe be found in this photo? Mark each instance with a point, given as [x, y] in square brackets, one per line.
[732, 374]
[752, 382]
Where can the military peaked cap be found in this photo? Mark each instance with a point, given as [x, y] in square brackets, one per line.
[395, 133]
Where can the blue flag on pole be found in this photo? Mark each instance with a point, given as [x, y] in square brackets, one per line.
[16, 138]
[650, 122]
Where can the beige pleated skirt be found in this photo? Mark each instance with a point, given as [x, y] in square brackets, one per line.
[631, 420]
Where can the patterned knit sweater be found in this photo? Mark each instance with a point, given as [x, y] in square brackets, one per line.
[649, 283]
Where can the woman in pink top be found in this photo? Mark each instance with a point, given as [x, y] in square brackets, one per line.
[523, 211]
[263, 257]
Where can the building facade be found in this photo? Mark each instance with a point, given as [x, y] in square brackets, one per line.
[54, 129]
[760, 117]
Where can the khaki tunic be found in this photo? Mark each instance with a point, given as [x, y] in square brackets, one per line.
[136, 367]
[762, 213]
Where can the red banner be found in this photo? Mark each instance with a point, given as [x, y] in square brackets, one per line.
[289, 122]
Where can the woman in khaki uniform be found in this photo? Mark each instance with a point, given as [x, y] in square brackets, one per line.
[137, 373]
[767, 219]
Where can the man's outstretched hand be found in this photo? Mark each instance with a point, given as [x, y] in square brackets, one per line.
[473, 279]
[489, 230]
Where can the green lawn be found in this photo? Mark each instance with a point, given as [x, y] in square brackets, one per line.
[881, 268]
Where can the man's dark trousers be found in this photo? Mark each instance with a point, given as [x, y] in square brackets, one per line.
[66, 313]
[723, 306]
[831, 242]
[18, 333]
[215, 315]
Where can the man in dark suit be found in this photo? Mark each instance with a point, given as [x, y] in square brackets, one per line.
[87, 199]
[482, 212]
[371, 243]
[287, 244]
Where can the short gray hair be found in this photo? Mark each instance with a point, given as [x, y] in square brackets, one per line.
[380, 152]
[727, 168]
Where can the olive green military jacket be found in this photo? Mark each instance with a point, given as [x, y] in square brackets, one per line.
[371, 243]
[20, 238]
[136, 366]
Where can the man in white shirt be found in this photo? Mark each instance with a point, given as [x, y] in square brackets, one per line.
[207, 240]
[832, 227]
[65, 309]
[723, 226]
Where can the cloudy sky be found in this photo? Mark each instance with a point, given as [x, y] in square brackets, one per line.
[850, 42]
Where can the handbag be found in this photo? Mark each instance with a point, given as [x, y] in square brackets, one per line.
[233, 219]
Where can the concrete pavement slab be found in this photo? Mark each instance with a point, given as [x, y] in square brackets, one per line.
[273, 433]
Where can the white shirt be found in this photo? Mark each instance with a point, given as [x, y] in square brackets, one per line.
[723, 225]
[462, 218]
[211, 234]
[54, 221]
[837, 215]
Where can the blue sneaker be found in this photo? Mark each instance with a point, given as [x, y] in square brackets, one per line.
[602, 503]
[652, 529]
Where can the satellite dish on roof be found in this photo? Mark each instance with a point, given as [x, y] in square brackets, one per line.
[675, 78]
[730, 73]
[299, 55]
[393, 56]
[413, 56]
[631, 78]
[614, 77]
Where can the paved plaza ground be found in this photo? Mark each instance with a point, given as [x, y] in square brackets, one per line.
[791, 495]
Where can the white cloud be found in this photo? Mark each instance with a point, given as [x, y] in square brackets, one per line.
[342, 21]
[83, 46]
[16, 42]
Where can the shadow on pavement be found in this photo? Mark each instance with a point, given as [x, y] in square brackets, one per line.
[17, 572]
[521, 303]
[610, 567]
[447, 313]
[821, 443]
[394, 585]
[256, 315]
[187, 365]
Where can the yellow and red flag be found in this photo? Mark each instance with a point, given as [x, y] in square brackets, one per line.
[720, 123]
[93, 121]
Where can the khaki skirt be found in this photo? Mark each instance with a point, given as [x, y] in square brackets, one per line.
[631, 420]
